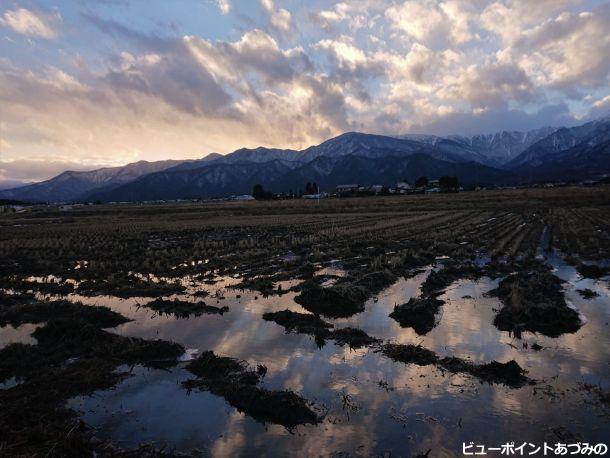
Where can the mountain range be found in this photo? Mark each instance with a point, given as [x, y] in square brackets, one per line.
[567, 153]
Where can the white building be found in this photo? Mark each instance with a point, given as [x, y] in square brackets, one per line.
[322, 195]
[347, 188]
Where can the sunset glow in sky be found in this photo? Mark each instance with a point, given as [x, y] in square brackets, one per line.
[107, 82]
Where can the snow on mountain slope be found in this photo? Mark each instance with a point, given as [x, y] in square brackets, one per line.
[70, 185]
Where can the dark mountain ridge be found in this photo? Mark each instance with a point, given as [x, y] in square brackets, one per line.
[574, 153]
[72, 186]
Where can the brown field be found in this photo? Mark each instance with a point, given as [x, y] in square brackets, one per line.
[157, 238]
[169, 258]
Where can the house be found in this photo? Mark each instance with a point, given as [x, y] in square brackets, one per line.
[376, 188]
[344, 188]
[402, 187]
[321, 195]
[242, 197]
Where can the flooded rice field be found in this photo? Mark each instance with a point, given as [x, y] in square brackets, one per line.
[381, 348]
[370, 404]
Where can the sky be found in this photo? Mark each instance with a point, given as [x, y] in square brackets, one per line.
[86, 83]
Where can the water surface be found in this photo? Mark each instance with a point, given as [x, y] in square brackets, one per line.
[371, 404]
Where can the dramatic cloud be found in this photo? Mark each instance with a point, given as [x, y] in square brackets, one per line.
[431, 23]
[489, 86]
[568, 51]
[31, 23]
[279, 17]
[221, 74]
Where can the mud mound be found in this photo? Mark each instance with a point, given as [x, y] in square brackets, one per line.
[592, 271]
[355, 338]
[263, 285]
[510, 373]
[75, 338]
[534, 301]
[376, 281]
[587, 293]
[337, 301]
[417, 314]
[304, 323]
[129, 287]
[39, 312]
[8, 300]
[73, 357]
[59, 288]
[410, 354]
[439, 280]
[231, 379]
[344, 299]
[184, 309]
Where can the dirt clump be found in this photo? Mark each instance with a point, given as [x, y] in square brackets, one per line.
[374, 282]
[410, 354]
[337, 301]
[184, 309]
[439, 280]
[263, 285]
[418, 314]
[301, 323]
[592, 270]
[355, 338]
[509, 373]
[345, 298]
[41, 311]
[55, 287]
[126, 287]
[234, 381]
[587, 293]
[73, 357]
[534, 301]
[18, 298]
[305, 323]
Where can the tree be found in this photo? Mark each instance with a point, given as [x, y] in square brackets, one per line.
[311, 188]
[259, 193]
[421, 182]
[447, 183]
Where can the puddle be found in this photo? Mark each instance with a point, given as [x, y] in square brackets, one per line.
[20, 334]
[373, 405]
